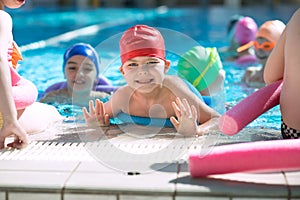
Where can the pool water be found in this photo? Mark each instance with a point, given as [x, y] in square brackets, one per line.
[44, 34]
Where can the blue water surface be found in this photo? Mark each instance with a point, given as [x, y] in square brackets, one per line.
[44, 34]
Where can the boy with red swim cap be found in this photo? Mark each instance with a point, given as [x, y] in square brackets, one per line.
[149, 92]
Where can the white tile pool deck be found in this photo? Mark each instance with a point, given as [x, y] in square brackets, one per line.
[57, 165]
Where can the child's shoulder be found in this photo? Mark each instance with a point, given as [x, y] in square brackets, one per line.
[175, 84]
[55, 96]
[121, 93]
[172, 80]
[4, 16]
[5, 23]
[123, 90]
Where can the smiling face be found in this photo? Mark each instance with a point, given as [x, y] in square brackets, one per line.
[80, 73]
[144, 73]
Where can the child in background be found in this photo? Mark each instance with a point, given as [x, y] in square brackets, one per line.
[230, 50]
[19, 113]
[81, 69]
[244, 32]
[266, 38]
[149, 92]
[9, 115]
[202, 67]
[283, 63]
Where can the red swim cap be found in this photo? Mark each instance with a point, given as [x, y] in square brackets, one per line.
[141, 40]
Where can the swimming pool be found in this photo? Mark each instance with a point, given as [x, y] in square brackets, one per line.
[44, 34]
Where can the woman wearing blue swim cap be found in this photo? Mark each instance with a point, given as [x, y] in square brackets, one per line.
[81, 70]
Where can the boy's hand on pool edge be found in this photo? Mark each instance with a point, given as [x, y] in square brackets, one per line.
[186, 122]
[96, 115]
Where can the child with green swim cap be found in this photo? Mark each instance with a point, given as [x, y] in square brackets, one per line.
[203, 68]
[149, 92]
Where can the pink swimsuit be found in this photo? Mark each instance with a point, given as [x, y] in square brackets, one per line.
[24, 91]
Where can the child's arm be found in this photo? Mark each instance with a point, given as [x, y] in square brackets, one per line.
[8, 110]
[275, 64]
[185, 110]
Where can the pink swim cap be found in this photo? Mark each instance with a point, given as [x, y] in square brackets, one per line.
[245, 30]
[141, 40]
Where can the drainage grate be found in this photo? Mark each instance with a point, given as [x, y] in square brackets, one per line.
[124, 149]
[48, 151]
[74, 151]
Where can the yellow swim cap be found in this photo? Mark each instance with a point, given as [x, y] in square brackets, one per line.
[200, 66]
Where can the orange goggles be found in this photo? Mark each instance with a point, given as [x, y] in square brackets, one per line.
[267, 46]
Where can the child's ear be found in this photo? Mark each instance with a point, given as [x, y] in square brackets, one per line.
[167, 66]
[121, 70]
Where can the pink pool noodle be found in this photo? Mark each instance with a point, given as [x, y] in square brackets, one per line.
[261, 156]
[250, 108]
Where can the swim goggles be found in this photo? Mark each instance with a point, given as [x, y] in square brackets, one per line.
[267, 46]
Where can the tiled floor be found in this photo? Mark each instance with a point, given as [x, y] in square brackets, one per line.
[66, 163]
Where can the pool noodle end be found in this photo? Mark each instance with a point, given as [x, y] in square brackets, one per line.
[250, 108]
[228, 124]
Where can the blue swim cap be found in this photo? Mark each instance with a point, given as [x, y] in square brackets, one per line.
[82, 49]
